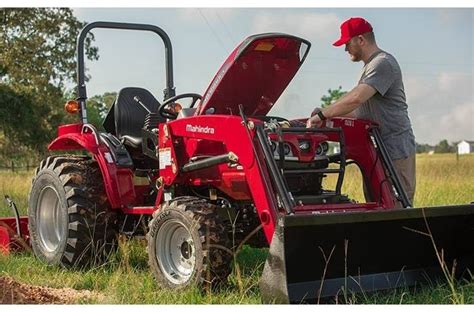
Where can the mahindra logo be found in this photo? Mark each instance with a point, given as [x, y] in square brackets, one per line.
[199, 129]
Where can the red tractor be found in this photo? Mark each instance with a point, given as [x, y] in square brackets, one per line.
[221, 173]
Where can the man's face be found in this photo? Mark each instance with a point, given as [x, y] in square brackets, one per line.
[354, 49]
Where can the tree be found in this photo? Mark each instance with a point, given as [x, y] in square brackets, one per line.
[98, 106]
[424, 148]
[37, 47]
[334, 95]
[444, 147]
[17, 107]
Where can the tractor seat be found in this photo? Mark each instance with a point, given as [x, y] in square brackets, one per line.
[126, 117]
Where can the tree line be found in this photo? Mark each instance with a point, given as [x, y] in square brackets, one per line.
[442, 147]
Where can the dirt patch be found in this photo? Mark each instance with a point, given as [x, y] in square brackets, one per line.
[13, 292]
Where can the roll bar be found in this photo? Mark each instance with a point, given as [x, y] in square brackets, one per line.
[169, 91]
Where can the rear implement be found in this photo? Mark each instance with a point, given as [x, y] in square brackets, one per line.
[14, 233]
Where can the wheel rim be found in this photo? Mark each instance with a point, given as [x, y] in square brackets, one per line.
[175, 251]
[48, 216]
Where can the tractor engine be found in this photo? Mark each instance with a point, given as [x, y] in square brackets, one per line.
[303, 157]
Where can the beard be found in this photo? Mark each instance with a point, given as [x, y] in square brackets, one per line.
[356, 56]
[355, 52]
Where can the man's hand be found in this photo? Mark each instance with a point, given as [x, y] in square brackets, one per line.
[345, 105]
[314, 121]
[315, 111]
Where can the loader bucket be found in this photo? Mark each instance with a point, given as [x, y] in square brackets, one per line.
[316, 256]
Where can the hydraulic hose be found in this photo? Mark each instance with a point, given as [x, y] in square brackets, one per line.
[12, 205]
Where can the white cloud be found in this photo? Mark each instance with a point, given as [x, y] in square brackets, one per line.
[288, 104]
[447, 16]
[310, 26]
[441, 107]
[450, 82]
[187, 14]
[224, 14]
[460, 122]
[452, 16]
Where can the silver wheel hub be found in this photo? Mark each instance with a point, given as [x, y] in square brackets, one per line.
[175, 251]
[48, 217]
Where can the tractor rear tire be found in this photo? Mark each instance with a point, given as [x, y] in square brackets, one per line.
[188, 245]
[70, 221]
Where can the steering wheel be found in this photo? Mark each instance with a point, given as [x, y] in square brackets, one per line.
[172, 115]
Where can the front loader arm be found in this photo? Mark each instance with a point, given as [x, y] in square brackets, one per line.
[361, 149]
[234, 136]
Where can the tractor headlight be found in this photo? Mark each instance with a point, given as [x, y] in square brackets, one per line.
[276, 148]
[325, 146]
[274, 145]
[322, 149]
[319, 150]
[304, 146]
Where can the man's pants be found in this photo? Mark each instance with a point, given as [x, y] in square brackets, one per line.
[406, 170]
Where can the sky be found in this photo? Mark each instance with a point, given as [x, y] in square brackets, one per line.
[434, 48]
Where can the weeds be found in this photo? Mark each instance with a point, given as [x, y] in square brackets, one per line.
[126, 278]
[449, 275]
[327, 259]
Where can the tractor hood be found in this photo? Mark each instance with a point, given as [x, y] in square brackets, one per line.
[254, 75]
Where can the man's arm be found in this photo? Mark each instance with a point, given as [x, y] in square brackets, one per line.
[350, 102]
[346, 104]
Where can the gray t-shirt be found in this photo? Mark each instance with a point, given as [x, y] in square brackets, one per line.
[388, 106]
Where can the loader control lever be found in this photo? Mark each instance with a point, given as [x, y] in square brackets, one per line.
[137, 99]
[165, 111]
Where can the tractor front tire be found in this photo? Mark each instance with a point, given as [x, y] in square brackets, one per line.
[70, 222]
[188, 245]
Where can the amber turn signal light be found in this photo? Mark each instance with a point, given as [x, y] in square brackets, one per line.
[72, 107]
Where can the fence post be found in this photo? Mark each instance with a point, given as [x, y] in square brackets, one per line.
[27, 166]
[13, 166]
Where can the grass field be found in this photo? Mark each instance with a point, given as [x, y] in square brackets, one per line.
[441, 180]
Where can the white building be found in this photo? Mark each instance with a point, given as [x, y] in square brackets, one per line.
[465, 147]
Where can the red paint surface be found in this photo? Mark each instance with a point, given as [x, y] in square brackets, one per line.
[254, 75]
[8, 233]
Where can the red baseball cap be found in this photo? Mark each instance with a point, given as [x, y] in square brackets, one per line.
[354, 26]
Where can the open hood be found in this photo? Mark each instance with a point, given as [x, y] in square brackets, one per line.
[254, 75]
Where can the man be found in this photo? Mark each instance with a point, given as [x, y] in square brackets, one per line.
[379, 96]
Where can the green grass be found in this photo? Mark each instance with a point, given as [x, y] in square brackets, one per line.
[127, 279]
[441, 180]
[16, 185]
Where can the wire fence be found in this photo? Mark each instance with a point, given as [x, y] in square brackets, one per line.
[13, 166]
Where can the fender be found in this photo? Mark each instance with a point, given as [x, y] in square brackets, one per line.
[118, 182]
